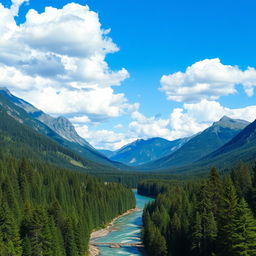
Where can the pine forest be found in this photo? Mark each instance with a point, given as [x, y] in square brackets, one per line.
[213, 216]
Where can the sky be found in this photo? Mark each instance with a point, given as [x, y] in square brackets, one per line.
[127, 70]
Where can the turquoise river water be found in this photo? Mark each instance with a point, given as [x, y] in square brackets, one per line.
[128, 231]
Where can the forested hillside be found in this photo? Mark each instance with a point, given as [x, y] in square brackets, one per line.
[202, 144]
[46, 210]
[215, 216]
[58, 129]
[20, 140]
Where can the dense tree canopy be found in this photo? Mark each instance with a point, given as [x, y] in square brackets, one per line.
[46, 210]
[208, 217]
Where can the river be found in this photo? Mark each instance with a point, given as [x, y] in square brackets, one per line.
[128, 230]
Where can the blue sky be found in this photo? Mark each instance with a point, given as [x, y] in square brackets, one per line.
[213, 40]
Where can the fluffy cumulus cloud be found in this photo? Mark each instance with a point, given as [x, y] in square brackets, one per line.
[56, 60]
[208, 79]
[186, 121]
[146, 127]
[196, 117]
[179, 125]
[210, 111]
[105, 139]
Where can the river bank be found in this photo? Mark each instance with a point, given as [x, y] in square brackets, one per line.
[93, 250]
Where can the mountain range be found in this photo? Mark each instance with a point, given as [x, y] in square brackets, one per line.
[59, 129]
[144, 151]
[200, 145]
[242, 146]
[24, 128]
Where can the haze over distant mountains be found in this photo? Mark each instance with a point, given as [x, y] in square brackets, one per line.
[143, 151]
[202, 144]
[227, 138]
[158, 153]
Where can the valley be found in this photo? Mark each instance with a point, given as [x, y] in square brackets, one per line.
[127, 128]
[45, 180]
[125, 230]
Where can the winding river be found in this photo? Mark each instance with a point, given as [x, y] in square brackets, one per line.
[128, 230]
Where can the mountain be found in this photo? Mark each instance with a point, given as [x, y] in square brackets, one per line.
[245, 141]
[143, 151]
[201, 145]
[59, 129]
[240, 148]
[107, 153]
[60, 125]
[18, 139]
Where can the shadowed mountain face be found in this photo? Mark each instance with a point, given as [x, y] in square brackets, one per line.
[225, 142]
[59, 129]
[60, 125]
[242, 141]
[143, 151]
[22, 136]
[202, 144]
[240, 148]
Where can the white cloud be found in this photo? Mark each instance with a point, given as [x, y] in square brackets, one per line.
[74, 31]
[188, 120]
[149, 127]
[56, 61]
[178, 125]
[80, 119]
[182, 122]
[196, 117]
[98, 104]
[210, 111]
[208, 79]
[183, 125]
[105, 139]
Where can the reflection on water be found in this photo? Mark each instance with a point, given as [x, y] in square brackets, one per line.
[128, 231]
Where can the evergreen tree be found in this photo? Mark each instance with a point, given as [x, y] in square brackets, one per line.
[147, 231]
[215, 190]
[210, 234]
[253, 190]
[26, 245]
[158, 243]
[57, 245]
[242, 180]
[9, 232]
[244, 237]
[197, 235]
[48, 211]
[205, 216]
[228, 217]
[69, 238]
[208, 223]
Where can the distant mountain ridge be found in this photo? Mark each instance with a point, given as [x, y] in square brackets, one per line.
[223, 144]
[60, 125]
[246, 138]
[59, 129]
[201, 145]
[142, 151]
[242, 147]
